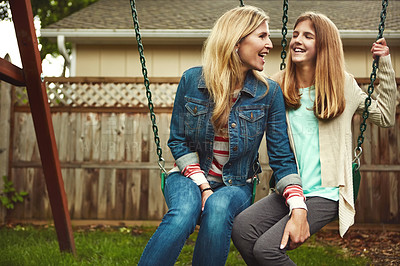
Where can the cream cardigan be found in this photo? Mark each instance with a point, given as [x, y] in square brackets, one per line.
[335, 137]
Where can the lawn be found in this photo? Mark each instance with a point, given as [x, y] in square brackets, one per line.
[29, 245]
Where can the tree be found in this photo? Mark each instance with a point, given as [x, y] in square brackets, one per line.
[48, 13]
[3, 10]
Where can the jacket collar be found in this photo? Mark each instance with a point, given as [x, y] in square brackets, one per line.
[250, 84]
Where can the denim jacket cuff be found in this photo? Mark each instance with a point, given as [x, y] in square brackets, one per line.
[292, 179]
[185, 160]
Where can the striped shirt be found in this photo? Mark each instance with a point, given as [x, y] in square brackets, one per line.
[220, 158]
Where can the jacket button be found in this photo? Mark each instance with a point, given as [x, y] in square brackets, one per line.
[195, 110]
[235, 148]
[230, 181]
[233, 125]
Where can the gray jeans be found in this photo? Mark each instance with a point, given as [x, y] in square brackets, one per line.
[258, 230]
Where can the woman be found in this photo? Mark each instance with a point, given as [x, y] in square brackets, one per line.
[321, 99]
[220, 114]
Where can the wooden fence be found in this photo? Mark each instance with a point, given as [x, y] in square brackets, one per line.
[109, 163]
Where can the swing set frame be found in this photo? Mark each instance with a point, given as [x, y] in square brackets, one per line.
[31, 77]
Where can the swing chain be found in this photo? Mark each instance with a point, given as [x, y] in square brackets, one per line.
[284, 32]
[365, 113]
[147, 85]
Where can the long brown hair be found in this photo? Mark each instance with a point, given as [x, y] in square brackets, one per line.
[329, 70]
[221, 63]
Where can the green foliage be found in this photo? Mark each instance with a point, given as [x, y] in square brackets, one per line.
[49, 12]
[9, 196]
[4, 7]
[314, 254]
[28, 245]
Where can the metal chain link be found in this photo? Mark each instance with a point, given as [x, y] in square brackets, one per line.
[284, 32]
[241, 3]
[147, 85]
[365, 113]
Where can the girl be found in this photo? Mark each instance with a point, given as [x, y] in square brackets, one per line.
[321, 99]
[220, 114]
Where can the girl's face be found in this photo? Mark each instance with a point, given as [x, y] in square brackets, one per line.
[254, 47]
[302, 45]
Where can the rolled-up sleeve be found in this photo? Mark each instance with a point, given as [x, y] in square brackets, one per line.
[177, 143]
[281, 157]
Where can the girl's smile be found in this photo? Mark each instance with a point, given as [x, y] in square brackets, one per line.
[303, 44]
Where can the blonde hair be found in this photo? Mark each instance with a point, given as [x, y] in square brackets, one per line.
[221, 63]
[329, 70]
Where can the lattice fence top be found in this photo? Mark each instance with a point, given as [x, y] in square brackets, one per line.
[104, 94]
[115, 94]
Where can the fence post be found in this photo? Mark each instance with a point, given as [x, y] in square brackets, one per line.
[5, 113]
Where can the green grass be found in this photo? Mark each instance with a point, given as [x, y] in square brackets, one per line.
[123, 246]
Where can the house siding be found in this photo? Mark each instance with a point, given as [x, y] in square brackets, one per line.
[173, 60]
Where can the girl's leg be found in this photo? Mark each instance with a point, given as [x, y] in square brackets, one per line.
[266, 250]
[213, 241]
[253, 222]
[184, 202]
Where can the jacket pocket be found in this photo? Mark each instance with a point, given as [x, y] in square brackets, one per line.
[195, 116]
[252, 120]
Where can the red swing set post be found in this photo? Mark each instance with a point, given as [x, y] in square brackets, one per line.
[31, 77]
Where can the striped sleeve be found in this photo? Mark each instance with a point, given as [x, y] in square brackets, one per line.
[294, 197]
[194, 172]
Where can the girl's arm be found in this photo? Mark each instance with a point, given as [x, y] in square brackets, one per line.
[186, 159]
[382, 110]
[288, 182]
[281, 157]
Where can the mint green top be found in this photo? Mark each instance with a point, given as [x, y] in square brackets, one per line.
[304, 126]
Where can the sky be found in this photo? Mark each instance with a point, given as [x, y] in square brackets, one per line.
[51, 66]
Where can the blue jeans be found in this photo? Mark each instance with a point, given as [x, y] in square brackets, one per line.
[184, 202]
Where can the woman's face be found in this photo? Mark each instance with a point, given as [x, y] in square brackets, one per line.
[254, 47]
[302, 45]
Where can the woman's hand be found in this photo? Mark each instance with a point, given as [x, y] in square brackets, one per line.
[297, 229]
[205, 194]
[379, 48]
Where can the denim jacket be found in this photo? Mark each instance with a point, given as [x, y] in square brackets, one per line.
[252, 114]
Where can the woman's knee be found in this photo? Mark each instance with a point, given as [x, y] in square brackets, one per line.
[218, 219]
[267, 255]
[241, 227]
[183, 215]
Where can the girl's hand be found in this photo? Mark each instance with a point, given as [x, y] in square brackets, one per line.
[379, 48]
[205, 194]
[296, 229]
[204, 197]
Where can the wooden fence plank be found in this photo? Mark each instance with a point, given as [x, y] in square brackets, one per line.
[121, 176]
[394, 154]
[110, 167]
[5, 131]
[133, 154]
[78, 196]
[144, 178]
[78, 126]
[157, 206]
[91, 203]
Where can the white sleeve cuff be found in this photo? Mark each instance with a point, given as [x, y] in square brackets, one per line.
[296, 203]
[199, 178]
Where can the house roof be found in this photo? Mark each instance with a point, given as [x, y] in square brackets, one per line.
[194, 18]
